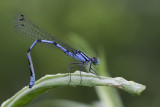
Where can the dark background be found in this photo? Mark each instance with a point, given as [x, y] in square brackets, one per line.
[128, 30]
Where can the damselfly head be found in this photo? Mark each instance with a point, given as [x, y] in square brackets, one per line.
[94, 60]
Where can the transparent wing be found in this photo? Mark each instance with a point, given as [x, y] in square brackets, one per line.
[33, 32]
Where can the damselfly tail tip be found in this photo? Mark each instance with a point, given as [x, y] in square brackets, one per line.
[30, 86]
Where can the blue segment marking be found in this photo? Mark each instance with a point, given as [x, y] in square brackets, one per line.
[37, 34]
[61, 47]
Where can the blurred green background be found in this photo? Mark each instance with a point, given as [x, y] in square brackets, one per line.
[128, 30]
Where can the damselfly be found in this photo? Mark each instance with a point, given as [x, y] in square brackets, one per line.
[38, 35]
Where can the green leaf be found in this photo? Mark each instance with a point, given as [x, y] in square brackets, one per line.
[25, 95]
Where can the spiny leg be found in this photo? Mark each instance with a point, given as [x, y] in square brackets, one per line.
[81, 70]
[69, 68]
[90, 67]
[94, 72]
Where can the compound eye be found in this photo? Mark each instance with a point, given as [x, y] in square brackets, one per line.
[95, 60]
